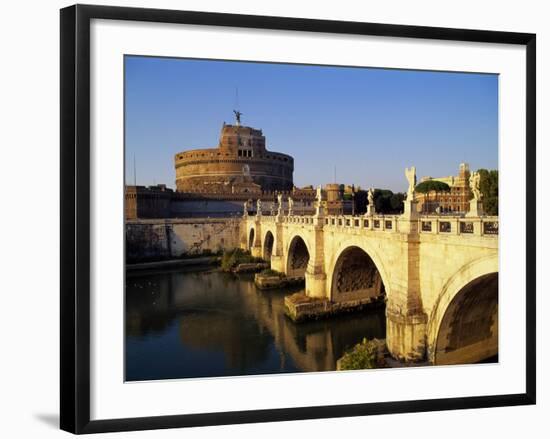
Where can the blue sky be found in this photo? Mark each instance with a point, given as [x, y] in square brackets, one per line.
[369, 124]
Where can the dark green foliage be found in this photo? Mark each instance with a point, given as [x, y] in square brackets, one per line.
[432, 185]
[382, 200]
[396, 202]
[362, 356]
[232, 258]
[360, 201]
[488, 185]
[386, 202]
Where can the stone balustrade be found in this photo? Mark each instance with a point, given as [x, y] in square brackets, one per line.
[429, 224]
[457, 225]
[378, 223]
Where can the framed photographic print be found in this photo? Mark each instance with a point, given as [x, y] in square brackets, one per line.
[268, 218]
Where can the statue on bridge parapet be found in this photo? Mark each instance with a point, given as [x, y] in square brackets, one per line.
[474, 180]
[279, 204]
[259, 207]
[290, 206]
[319, 194]
[410, 212]
[245, 204]
[476, 206]
[410, 173]
[319, 211]
[371, 210]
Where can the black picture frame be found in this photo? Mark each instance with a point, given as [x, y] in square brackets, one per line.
[75, 217]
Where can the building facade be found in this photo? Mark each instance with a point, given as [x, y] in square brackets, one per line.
[457, 200]
[336, 203]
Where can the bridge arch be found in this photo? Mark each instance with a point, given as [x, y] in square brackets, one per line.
[369, 263]
[251, 237]
[463, 325]
[355, 276]
[267, 248]
[298, 255]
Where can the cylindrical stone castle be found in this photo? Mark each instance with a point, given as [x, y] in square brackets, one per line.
[240, 163]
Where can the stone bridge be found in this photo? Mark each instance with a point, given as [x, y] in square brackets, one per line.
[437, 274]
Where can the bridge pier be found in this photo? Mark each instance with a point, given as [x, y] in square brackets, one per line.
[243, 232]
[315, 276]
[277, 257]
[256, 249]
[277, 263]
[316, 284]
[406, 335]
[406, 321]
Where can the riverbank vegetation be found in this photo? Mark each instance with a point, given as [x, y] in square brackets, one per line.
[369, 354]
[232, 258]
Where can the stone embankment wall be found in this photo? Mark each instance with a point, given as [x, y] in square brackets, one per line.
[160, 239]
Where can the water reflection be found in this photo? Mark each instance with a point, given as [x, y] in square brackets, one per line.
[203, 324]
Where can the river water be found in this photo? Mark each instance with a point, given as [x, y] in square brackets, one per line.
[190, 324]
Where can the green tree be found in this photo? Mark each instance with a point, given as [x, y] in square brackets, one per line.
[360, 200]
[382, 200]
[432, 185]
[488, 186]
[396, 202]
[385, 201]
[429, 186]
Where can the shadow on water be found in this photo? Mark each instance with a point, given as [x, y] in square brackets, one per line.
[210, 323]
